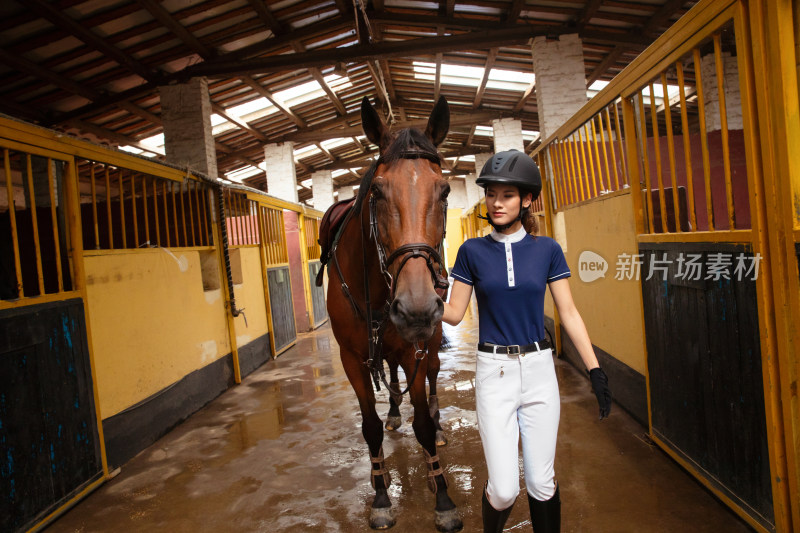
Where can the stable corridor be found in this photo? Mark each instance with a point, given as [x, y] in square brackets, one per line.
[283, 452]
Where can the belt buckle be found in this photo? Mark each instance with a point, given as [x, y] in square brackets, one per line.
[513, 349]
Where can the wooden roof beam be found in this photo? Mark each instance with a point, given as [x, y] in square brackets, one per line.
[260, 7]
[277, 103]
[317, 75]
[166, 19]
[516, 9]
[219, 110]
[586, 15]
[527, 94]
[490, 58]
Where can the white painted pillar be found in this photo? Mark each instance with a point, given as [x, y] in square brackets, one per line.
[507, 134]
[458, 195]
[322, 189]
[281, 175]
[188, 138]
[733, 99]
[346, 192]
[472, 192]
[560, 80]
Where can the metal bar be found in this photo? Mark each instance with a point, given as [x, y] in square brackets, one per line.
[586, 155]
[611, 148]
[183, 215]
[552, 152]
[196, 194]
[35, 222]
[645, 162]
[204, 196]
[687, 145]
[659, 171]
[122, 209]
[576, 168]
[622, 151]
[251, 221]
[597, 157]
[671, 150]
[155, 212]
[561, 179]
[146, 211]
[629, 116]
[54, 217]
[12, 211]
[108, 210]
[166, 212]
[701, 113]
[191, 211]
[723, 119]
[133, 208]
[94, 207]
[568, 158]
[239, 217]
[605, 148]
[175, 214]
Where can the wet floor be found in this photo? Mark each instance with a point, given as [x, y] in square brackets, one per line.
[283, 452]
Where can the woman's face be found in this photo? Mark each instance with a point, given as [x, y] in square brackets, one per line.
[503, 203]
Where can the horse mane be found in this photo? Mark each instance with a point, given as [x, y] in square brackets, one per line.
[404, 140]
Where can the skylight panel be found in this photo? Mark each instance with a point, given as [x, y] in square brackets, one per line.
[154, 141]
[242, 173]
[485, 131]
[530, 135]
[335, 143]
[306, 151]
[510, 80]
[131, 149]
[339, 172]
[216, 119]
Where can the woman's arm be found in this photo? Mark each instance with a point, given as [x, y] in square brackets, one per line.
[455, 308]
[572, 322]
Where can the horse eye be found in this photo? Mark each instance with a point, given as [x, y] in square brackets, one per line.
[445, 191]
[376, 191]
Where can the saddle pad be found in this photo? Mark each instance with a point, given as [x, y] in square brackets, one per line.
[329, 227]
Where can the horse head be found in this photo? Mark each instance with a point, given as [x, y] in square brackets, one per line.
[408, 214]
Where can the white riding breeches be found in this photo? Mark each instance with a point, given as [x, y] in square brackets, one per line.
[517, 396]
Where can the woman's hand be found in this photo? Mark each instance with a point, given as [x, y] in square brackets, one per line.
[600, 387]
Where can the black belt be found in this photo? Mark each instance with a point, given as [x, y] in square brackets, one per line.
[514, 349]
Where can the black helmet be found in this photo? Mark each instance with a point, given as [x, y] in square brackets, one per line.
[512, 167]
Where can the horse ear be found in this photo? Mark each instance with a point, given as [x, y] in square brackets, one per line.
[439, 122]
[371, 123]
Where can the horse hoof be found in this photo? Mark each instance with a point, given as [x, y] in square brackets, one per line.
[441, 440]
[393, 422]
[381, 517]
[448, 521]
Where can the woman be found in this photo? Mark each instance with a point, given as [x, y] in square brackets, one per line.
[516, 390]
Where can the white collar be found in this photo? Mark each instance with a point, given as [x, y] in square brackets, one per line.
[512, 238]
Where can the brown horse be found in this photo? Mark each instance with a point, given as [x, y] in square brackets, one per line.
[382, 298]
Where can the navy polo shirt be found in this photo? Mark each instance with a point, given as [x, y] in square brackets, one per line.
[510, 274]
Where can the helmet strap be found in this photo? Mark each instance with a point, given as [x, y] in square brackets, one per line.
[502, 227]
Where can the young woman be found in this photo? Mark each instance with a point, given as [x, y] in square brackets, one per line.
[516, 391]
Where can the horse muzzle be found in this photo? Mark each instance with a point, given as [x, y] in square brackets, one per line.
[416, 320]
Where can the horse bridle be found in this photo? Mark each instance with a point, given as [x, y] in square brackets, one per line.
[405, 252]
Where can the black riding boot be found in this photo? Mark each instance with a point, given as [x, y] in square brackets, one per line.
[493, 520]
[546, 515]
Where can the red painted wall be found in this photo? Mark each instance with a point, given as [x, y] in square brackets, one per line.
[290, 221]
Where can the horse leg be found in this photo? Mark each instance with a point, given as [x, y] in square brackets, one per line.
[394, 420]
[447, 516]
[381, 514]
[433, 399]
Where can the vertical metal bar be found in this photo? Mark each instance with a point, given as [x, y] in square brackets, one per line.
[659, 171]
[671, 150]
[586, 154]
[94, 207]
[35, 221]
[191, 211]
[122, 209]
[597, 158]
[577, 168]
[611, 148]
[701, 113]
[166, 212]
[687, 145]
[155, 212]
[196, 194]
[133, 208]
[561, 179]
[175, 215]
[570, 163]
[723, 118]
[629, 116]
[54, 216]
[622, 150]
[552, 155]
[183, 214]
[251, 222]
[645, 162]
[146, 212]
[108, 210]
[239, 216]
[12, 210]
[204, 195]
[605, 148]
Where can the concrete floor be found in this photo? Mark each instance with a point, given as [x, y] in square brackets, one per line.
[283, 452]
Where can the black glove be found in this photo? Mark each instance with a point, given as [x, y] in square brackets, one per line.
[600, 387]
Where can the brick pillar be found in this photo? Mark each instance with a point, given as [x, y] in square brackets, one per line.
[733, 99]
[346, 192]
[472, 193]
[560, 80]
[322, 189]
[186, 112]
[458, 195]
[281, 175]
[507, 134]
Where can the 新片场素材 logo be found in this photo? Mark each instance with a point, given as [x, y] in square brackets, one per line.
[591, 266]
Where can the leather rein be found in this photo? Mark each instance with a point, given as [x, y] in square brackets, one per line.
[376, 320]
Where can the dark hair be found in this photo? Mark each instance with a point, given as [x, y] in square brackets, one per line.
[529, 220]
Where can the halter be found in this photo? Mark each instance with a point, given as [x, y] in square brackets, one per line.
[377, 321]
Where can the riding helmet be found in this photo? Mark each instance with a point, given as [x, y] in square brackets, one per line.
[514, 168]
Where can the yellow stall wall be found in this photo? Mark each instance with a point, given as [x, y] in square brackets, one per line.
[250, 297]
[151, 322]
[454, 236]
[611, 308]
